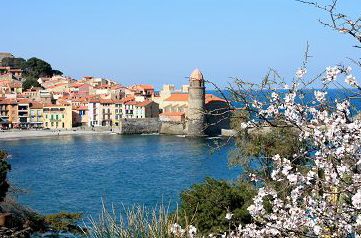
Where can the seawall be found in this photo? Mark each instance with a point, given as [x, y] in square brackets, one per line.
[138, 126]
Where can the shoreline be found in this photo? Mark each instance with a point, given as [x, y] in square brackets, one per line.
[33, 134]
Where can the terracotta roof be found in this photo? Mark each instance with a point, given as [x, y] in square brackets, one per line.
[184, 97]
[172, 114]
[80, 108]
[143, 86]
[9, 101]
[212, 98]
[100, 100]
[104, 86]
[36, 105]
[106, 101]
[178, 97]
[139, 104]
[144, 103]
[23, 100]
[114, 87]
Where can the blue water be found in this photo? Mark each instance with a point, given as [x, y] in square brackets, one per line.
[73, 173]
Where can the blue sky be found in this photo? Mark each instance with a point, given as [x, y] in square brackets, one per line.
[158, 41]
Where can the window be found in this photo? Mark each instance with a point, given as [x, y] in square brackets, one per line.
[63, 125]
[63, 115]
[46, 124]
[57, 117]
[52, 124]
[57, 124]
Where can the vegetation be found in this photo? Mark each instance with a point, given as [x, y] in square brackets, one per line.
[256, 146]
[4, 169]
[33, 68]
[136, 222]
[207, 204]
[63, 221]
[17, 63]
[30, 82]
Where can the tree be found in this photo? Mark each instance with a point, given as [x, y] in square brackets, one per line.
[57, 72]
[30, 82]
[205, 205]
[35, 68]
[17, 63]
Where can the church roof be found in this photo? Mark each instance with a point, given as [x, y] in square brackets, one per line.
[196, 75]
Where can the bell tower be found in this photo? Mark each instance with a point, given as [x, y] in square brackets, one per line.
[196, 101]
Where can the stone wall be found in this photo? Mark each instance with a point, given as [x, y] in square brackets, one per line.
[173, 128]
[138, 126]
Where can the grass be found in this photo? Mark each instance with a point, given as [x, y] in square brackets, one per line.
[136, 222]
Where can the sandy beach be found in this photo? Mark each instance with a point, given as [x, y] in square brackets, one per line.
[28, 134]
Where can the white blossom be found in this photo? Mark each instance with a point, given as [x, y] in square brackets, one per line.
[300, 73]
[229, 216]
[351, 80]
[331, 74]
[320, 96]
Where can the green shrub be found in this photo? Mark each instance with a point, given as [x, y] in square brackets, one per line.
[206, 205]
[64, 221]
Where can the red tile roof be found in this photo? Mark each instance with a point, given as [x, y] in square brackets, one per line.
[172, 114]
[143, 87]
[184, 97]
[36, 105]
[139, 104]
[178, 97]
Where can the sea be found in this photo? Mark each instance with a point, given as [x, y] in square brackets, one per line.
[78, 173]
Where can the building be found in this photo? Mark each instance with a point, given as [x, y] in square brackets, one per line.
[201, 113]
[36, 115]
[145, 90]
[10, 86]
[8, 112]
[33, 93]
[57, 117]
[100, 112]
[80, 115]
[145, 109]
[23, 113]
[196, 104]
[119, 109]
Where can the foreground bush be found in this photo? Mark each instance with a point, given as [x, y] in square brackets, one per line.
[206, 205]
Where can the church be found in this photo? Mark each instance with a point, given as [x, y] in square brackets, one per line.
[192, 111]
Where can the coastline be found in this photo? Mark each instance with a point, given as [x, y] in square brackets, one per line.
[31, 134]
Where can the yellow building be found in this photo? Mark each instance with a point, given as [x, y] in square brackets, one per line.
[57, 117]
